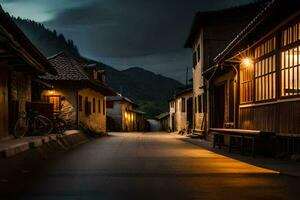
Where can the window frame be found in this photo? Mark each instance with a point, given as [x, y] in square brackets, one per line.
[80, 103]
[59, 102]
[284, 48]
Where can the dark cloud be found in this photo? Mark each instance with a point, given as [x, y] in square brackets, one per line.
[127, 33]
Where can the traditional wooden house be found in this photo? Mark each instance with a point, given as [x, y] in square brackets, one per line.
[181, 111]
[260, 71]
[164, 120]
[210, 32]
[20, 64]
[123, 114]
[78, 93]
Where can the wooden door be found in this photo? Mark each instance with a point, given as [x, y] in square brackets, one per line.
[219, 111]
[3, 104]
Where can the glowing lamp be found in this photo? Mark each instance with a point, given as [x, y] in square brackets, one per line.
[51, 92]
[247, 62]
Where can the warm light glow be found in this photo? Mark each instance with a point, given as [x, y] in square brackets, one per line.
[51, 92]
[247, 62]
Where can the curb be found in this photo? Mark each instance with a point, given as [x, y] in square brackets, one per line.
[68, 140]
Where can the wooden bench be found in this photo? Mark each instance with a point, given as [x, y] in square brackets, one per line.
[237, 138]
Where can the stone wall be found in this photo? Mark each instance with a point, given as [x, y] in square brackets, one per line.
[96, 120]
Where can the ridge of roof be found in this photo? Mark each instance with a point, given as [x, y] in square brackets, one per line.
[201, 17]
[246, 30]
[68, 68]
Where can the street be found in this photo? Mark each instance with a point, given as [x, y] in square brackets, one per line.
[148, 166]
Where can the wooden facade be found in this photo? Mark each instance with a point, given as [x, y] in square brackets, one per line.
[264, 63]
[20, 64]
[211, 31]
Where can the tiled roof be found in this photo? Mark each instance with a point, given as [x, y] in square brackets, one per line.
[250, 27]
[68, 68]
[162, 115]
[119, 97]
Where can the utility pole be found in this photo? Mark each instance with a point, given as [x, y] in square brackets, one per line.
[186, 77]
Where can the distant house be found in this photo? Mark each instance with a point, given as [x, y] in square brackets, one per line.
[123, 114]
[20, 64]
[262, 65]
[181, 111]
[164, 120]
[79, 93]
[210, 32]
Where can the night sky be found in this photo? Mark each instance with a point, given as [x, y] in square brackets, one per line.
[124, 33]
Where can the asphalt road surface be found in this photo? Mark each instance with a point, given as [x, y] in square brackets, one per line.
[147, 166]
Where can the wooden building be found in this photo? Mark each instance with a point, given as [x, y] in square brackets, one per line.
[210, 33]
[123, 114]
[79, 92]
[20, 64]
[164, 120]
[260, 71]
[181, 111]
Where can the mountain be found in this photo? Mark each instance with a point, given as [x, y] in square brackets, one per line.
[151, 91]
[47, 41]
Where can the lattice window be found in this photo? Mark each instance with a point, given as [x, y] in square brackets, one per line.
[290, 72]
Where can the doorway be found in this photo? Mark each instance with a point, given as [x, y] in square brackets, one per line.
[190, 112]
[173, 123]
[219, 99]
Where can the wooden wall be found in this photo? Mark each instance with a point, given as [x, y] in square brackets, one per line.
[3, 104]
[281, 118]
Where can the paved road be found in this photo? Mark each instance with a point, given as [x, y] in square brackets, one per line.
[151, 166]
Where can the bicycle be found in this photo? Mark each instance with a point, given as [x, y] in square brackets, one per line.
[59, 124]
[33, 123]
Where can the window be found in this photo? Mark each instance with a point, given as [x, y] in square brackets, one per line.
[265, 79]
[87, 106]
[101, 77]
[80, 103]
[265, 48]
[290, 72]
[104, 108]
[55, 100]
[99, 106]
[94, 105]
[200, 110]
[290, 35]
[246, 83]
[182, 104]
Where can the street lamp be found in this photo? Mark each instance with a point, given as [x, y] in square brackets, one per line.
[247, 62]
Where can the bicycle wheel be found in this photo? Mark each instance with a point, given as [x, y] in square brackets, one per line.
[42, 125]
[60, 125]
[21, 127]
